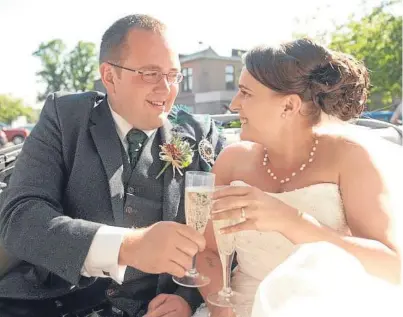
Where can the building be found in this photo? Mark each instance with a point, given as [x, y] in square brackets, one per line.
[210, 81]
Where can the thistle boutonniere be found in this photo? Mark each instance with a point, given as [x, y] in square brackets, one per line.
[177, 153]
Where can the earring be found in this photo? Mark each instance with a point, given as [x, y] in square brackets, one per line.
[283, 115]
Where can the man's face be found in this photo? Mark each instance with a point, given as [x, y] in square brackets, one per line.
[140, 100]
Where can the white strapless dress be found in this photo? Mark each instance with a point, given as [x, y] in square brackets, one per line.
[259, 254]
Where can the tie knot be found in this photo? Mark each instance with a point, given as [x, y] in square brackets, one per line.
[136, 137]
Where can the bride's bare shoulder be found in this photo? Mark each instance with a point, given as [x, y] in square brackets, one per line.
[239, 151]
[236, 155]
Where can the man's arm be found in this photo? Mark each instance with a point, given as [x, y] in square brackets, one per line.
[32, 224]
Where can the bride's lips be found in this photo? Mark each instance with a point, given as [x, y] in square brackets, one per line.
[243, 120]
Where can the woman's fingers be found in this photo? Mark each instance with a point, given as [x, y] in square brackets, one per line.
[245, 225]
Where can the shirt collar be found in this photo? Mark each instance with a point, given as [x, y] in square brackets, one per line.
[123, 127]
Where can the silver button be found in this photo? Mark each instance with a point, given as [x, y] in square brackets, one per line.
[129, 209]
[131, 190]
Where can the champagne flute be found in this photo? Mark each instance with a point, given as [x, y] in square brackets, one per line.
[199, 188]
[226, 297]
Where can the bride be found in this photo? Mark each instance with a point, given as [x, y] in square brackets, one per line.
[304, 175]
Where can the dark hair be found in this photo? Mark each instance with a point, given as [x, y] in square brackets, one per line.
[334, 82]
[115, 36]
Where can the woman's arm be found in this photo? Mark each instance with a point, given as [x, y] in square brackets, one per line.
[370, 193]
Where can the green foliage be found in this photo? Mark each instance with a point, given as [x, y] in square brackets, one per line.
[376, 40]
[11, 108]
[70, 71]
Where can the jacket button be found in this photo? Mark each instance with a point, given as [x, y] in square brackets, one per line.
[129, 210]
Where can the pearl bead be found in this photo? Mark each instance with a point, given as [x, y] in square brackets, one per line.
[310, 160]
[293, 174]
[274, 177]
[268, 170]
[314, 148]
[282, 181]
[287, 179]
[312, 153]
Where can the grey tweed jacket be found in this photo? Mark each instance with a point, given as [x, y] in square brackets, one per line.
[67, 182]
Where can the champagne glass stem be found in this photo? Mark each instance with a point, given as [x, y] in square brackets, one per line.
[226, 270]
[193, 270]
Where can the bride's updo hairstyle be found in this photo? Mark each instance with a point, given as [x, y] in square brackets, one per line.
[328, 81]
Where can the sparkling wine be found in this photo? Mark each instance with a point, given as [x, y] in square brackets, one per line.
[225, 242]
[198, 202]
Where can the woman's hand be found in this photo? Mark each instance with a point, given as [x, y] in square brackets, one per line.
[256, 209]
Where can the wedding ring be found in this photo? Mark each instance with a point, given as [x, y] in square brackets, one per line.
[243, 214]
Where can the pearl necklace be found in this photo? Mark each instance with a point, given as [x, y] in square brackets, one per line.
[302, 167]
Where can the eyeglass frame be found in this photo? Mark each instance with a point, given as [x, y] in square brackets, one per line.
[141, 72]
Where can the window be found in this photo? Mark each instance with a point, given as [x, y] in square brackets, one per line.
[230, 77]
[187, 82]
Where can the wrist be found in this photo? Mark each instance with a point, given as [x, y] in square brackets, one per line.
[130, 244]
[292, 218]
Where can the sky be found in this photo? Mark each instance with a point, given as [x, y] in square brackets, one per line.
[221, 24]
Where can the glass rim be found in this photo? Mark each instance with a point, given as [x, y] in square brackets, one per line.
[200, 173]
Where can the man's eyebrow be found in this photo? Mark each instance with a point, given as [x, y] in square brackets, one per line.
[156, 67]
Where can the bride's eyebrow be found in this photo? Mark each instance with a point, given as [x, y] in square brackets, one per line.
[244, 87]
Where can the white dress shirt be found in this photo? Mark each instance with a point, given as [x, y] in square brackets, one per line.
[102, 257]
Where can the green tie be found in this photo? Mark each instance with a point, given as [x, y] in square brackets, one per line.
[135, 139]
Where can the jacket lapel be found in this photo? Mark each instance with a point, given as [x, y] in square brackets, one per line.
[107, 142]
[173, 185]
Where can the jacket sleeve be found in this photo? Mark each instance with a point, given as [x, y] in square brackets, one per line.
[33, 227]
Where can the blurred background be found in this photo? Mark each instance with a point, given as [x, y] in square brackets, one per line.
[48, 46]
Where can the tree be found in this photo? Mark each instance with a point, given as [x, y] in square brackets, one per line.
[61, 70]
[376, 40]
[11, 108]
[53, 70]
[375, 37]
[81, 66]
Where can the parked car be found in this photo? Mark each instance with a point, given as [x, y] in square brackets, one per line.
[386, 130]
[16, 135]
[3, 139]
[382, 115]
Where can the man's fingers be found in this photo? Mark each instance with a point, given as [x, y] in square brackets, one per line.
[184, 260]
[187, 246]
[193, 235]
[168, 307]
[175, 269]
[157, 301]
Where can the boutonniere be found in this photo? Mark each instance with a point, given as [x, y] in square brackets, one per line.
[177, 153]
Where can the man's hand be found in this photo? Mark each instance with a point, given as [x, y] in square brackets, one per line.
[164, 247]
[168, 305]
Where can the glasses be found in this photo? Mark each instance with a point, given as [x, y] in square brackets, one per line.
[153, 76]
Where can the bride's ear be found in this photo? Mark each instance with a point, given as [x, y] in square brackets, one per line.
[293, 104]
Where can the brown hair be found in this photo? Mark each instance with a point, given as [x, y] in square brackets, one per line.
[334, 82]
[113, 40]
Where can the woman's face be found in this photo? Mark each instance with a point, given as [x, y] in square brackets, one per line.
[260, 109]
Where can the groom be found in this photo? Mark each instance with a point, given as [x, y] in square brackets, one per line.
[96, 230]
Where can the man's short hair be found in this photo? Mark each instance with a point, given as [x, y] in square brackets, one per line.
[114, 39]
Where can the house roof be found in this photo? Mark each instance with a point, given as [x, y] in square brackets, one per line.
[208, 53]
